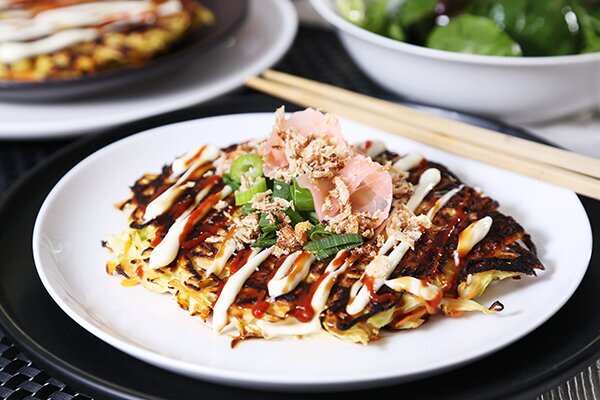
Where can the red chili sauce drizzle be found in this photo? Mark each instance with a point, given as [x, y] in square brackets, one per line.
[376, 298]
[302, 309]
[200, 212]
[239, 261]
[261, 306]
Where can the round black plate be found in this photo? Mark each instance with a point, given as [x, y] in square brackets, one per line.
[545, 358]
[228, 14]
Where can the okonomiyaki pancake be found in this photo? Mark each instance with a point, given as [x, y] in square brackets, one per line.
[301, 233]
[62, 39]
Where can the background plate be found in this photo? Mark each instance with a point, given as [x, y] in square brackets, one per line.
[228, 14]
[79, 212]
[259, 42]
[55, 342]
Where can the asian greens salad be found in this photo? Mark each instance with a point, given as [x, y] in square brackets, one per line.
[531, 28]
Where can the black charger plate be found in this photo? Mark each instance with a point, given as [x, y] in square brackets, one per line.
[550, 355]
[228, 14]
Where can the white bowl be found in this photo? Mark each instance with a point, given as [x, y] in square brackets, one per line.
[519, 89]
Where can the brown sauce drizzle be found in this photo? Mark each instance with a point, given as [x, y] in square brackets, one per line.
[201, 210]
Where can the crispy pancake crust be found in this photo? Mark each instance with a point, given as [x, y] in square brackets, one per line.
[132, 47]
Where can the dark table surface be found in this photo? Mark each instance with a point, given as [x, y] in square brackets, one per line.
[316, 54]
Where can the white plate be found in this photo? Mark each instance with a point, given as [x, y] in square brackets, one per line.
[79, 212]
[257, 44]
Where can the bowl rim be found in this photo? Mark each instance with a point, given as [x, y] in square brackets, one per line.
[324, 9]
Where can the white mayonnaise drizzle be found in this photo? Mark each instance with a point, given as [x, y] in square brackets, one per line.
[58, 28]
[291, 327]
[472, 235]
[376, 147]
[162, 203]
[181, 164]
[427, 182]
[234, 285]
[290, 274]
[442, 202]
[359, 295]
[408, 162]
[223, 255]
[11, 52]
[414, 286]
[167, 249]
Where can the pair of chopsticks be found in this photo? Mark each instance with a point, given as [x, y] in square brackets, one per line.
[549, 164]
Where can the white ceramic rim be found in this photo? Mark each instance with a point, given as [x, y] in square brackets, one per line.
[288, 17]
[340, 23]
[264, 380]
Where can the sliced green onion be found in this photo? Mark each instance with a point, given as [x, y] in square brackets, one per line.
[320, 255]
[294, 215]
[247, 209]
[318, 232]
[302, 198]
[266, 223]
[267, 239]
[245, 197]
[248, 164]
[312, 217]
[334, 241]
[229, 181]
[282, 190]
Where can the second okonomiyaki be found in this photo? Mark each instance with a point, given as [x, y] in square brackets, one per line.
[303, 232]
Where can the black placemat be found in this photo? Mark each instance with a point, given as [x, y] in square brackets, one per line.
[316, 54]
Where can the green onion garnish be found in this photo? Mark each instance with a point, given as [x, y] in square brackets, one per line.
[245, 197]
[228, 180]
[334, 241]
[248, 164]
[318, 232]
[267, 239]
[247, 209]
[294, 215]
[266, 223]
[312, 217]
[302, 198]
[328, 246]
[282, 190]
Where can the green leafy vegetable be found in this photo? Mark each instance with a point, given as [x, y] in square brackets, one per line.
[542, 28]
[302, 198]
[413, 11]
[589, 23]
[250, 164]
[475, 35]
[245, 197]
[371, 15]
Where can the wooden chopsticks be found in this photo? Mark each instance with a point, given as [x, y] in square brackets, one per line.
[560, 167]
